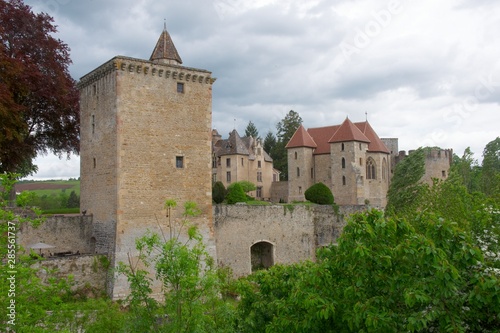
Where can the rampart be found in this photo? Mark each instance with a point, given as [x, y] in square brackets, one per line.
[290, 233]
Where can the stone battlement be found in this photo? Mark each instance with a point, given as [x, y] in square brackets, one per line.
[139, 66]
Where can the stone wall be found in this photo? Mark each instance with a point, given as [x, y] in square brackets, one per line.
[66, 233]
[279, 191]
[88, 271]
[295, 232]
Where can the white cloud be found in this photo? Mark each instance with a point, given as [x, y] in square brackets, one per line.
[412, 67]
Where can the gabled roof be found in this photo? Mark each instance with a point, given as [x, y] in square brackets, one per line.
[375, 145]
[165, 50]
[301, 139]
[323, 136]
[348, 132]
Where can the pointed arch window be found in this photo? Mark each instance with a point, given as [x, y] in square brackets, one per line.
[342, 147]
[371, 169]
[343, 163]
[384, 169]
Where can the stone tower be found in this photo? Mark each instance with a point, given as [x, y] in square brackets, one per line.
[145, 138]
[348, 147]
[300, 164]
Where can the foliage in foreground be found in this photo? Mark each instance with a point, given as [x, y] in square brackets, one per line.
[193, 288]
[385, 275]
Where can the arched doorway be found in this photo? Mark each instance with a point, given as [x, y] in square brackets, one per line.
[262, 255]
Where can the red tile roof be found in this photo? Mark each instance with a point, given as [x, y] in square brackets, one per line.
[348, 132]
[323, 136]
[375, 145]
[301, 139]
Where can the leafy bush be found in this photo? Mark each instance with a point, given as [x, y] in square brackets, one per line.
[320, 194]
[235, 194]
[218, 192]
[245, 185]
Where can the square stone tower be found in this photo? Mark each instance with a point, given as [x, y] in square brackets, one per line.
[145, 138]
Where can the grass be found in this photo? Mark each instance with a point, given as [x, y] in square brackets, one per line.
[72, 185]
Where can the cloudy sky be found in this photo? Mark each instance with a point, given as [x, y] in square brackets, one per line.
[426, 72]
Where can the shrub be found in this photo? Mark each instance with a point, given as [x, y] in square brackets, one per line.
[236, 194]
[218, 192]
[245, 185]
[320, 194]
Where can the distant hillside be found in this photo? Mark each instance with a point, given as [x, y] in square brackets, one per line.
[49, 187]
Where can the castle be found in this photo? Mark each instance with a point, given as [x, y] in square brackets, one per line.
[236, 159]
[146, 137]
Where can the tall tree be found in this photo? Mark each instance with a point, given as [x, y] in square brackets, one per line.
[269, 142]
[38, 97]
[467, 171]
[286, 128]
[251, 130]
[491, 168]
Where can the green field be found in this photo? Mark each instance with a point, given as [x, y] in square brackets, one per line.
[52, 196]
[49, 187]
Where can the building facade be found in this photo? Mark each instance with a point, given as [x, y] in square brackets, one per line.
[349, 158]
[140, 146]
[242, 159]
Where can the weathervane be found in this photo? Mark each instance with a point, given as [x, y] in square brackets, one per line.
[366, 115]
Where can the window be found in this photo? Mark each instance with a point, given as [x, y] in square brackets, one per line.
[214, 161]
[259, 176]
[179, 162]
[343, 180]
[95, 163]
[258, 192]
[384, 169]
[360, 161]
[300, 189]
[370, 169]
[228, 176]
[93, 124]
[242, 161]
[214, 178]
[295, 155]
[342, 147]
[259, 164]
[443, 173]
[180, 87]
[298, 172]
[343, 163]
[360, 146]
[228, 162]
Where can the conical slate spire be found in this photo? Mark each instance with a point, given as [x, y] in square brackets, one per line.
[165, 51]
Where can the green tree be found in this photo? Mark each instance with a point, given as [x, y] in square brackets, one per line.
[38, 97]
[320, 194]
[235, 194]
[251, 130]
[491, 168]
[218, 192]
[193, 286]
[269, 142]
[384, 275]
[285, 130]
[467, 171]
[245, 185]
[73, 200]
[406, 188]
